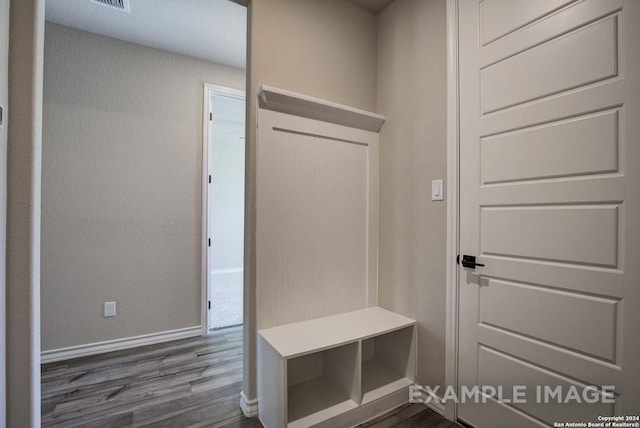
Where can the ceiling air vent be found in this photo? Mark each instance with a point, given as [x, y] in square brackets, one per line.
[122, 5]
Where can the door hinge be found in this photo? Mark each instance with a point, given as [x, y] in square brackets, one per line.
[458, 259]
[210, 116]
[209, 178]
[209, 304]
[209, 241]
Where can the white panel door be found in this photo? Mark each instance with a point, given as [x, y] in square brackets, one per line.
[550, 205]
[225, 211]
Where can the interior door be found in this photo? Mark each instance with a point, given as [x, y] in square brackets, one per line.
[226, 208]
[550, 205]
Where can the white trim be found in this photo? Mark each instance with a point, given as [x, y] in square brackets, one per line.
[249, 407]
[61, 354]
[227, 270]
[204, 260]
[4, 93]
[227, 92]
[208, 90]
[288, 102]
[450, 409]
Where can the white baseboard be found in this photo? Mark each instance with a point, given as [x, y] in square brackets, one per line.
[436, 406]
[61, 354]
[249, 407]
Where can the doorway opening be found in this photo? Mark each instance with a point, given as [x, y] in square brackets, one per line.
[121, 208]
[224, 201]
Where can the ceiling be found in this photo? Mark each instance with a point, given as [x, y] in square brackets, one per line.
[374, 6]
[211, 30]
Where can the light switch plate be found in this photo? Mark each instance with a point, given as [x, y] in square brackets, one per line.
[437, 190]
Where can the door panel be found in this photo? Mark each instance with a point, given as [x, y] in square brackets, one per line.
[561, 359]
[583, 146]
[501, 17]
[543, 30]
[549, 202]
[584, 56]
[499, 368]
[564, 233]
[517, 307]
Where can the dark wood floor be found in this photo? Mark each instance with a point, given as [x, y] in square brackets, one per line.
[410, 416]
[187, 383]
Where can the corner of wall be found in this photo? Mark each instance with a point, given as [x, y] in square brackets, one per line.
[26, 47]
[411, 93]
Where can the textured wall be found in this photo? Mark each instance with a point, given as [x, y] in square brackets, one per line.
[322, 48]
[24, 148]
[412, 94]
[121, 207]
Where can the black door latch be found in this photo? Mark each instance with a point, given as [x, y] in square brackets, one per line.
[470, 262]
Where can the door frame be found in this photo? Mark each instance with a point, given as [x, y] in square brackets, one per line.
[4, 89]
[208, 90]
[453, 201]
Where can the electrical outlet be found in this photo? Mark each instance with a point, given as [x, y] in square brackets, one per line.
[109, 309]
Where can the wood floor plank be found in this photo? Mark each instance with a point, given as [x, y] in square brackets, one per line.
[410, 416]
[213, 382]
[202, 416]
[152, 414]
[394, 417]
[124, 420]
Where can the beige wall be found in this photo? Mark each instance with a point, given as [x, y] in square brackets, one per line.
[121, 187]
[411, 92]
[24, 148]
[321, 48]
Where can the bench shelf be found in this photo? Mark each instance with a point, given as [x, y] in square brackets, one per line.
[335, 370]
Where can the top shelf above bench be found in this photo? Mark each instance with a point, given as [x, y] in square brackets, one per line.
[314, 108]
[292, 340]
